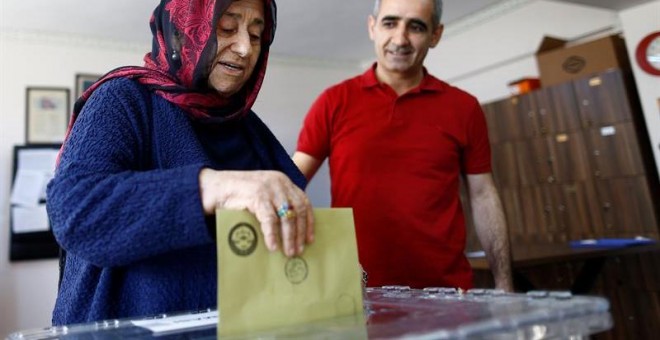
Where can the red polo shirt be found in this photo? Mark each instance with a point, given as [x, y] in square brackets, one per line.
[396, 160]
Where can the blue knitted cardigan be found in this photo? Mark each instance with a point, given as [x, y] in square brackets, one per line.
[125, 203]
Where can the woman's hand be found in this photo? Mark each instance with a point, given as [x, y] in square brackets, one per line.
[263, 193]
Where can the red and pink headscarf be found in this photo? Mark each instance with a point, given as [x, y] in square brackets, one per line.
[177, 69]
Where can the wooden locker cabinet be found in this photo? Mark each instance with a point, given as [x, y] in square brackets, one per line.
[534, 162]
[571, 161]
[490, 112]
[527, 106]
[585, 170]
[603, 99]
[545, 112]
[615, 151]
[557, 108]
[569, 155]
[511, 203]
[625, 203]
[505, 171]
[555, 213]
[538, 109]
[578, 214]
[506, 120]
[538, 215]
[560, 158]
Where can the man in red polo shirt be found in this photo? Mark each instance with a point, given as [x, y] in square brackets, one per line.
[398, 140]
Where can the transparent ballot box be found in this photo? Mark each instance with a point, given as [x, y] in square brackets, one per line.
[390, 312]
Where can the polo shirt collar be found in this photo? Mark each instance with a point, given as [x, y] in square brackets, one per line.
[429, 82]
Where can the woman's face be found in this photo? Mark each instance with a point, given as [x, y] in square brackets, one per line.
[239, 35]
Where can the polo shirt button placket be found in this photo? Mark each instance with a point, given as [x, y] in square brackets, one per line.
[398, 115]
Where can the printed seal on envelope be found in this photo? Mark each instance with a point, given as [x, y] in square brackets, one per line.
[243, 239]
[296, 270]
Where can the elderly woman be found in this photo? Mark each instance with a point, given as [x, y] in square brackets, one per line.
[153, 150]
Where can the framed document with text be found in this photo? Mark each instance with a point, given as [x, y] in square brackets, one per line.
[30, 233]
[47, 115]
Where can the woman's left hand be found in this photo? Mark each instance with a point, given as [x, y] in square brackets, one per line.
[282, 209]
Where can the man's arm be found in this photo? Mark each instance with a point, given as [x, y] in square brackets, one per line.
[491, 228]
[307, 164]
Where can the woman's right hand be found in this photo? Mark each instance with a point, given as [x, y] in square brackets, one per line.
[263, 193]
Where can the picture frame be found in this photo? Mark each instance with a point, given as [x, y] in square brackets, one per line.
[47, 114]
[83, 82]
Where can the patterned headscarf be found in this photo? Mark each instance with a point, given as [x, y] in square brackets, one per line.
[178, 67]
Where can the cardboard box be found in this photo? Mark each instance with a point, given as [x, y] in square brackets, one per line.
[558, 61]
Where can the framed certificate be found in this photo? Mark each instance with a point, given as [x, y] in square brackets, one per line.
[47, 115]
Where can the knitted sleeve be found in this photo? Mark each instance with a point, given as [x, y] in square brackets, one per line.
[106, 204]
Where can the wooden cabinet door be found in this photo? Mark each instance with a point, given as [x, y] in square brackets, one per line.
[527, 107]
[514, 215]
[505, 171]
[507, 119]
[603, 99]
[558, 110]
[538, 214]
[534, 161]
[558, 213]
[627, 208]
[578, 213]
[544, 111]
[558, 230]
[614, 151]
[490, 112]
[570, 162]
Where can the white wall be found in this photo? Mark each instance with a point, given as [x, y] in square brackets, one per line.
[289, 90]
[28, 288]
[637, 22]
[482, 59]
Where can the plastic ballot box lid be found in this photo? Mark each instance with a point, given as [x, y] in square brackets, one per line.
[390, 312]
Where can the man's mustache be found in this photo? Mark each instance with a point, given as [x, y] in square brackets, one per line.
[399, 48]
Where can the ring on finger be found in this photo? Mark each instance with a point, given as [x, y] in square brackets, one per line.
[286, 211]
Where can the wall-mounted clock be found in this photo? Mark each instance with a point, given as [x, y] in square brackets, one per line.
[648, 53]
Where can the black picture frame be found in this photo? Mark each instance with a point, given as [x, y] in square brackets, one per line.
[34, 245]
[83, 82]
[47, 111]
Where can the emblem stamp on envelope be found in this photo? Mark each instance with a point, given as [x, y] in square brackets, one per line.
[296, 270]
[243, 239]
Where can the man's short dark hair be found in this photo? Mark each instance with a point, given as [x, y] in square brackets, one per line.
[437, 11]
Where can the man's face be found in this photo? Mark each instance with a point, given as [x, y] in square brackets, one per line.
[402, 34]
[239, 35]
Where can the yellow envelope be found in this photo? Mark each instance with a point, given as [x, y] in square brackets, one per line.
[260, 290]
